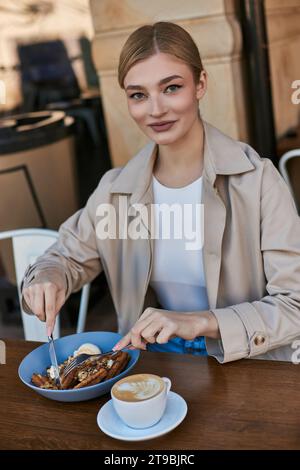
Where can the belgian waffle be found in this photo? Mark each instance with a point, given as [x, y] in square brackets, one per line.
[91, 372]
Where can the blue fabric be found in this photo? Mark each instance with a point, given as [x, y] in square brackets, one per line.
[181, 346]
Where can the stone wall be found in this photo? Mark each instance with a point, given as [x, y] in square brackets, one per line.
[216, 29]
[283, 26]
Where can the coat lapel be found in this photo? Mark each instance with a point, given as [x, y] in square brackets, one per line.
[214, 226]
[222, 156]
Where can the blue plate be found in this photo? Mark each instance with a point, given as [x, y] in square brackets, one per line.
[39, 360]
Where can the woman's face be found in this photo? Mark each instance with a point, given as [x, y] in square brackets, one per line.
[163, 98]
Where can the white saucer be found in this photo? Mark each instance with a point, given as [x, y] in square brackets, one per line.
[109, 422]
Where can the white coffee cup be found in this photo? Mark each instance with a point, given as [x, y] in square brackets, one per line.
[140, 411]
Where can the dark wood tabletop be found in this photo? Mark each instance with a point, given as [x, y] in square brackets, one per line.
[247, 404]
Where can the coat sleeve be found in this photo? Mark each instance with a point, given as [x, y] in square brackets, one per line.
[74, 259]
[253, 328]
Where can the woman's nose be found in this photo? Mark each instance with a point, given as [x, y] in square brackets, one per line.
[157, 107]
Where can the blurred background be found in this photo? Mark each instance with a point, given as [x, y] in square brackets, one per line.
[64, 120]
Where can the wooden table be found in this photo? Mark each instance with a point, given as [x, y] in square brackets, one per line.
[248, 404]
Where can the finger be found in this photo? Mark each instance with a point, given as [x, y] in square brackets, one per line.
[38, 307]
[149, 311]
[142, 345]
[133, 337]
[60, 300]
[50, 303]
[27, 298]
[30, 293]
[136, 338]
[125, 341]
[151, 339]
[150, 332]
[165, 335]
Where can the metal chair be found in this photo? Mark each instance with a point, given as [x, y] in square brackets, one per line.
[291, 177]
[28, 244]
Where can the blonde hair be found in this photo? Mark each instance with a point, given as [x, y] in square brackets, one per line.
[165, 37]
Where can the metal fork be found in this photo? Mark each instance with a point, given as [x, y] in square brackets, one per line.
[82, 358]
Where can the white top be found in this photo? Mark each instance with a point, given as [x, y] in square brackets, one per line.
[177, 275]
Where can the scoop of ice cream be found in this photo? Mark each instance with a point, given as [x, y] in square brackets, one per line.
[51, 372]
[87, 348]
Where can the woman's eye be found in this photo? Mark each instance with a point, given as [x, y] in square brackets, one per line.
[140, 96]
[172, 88]
[137, 96]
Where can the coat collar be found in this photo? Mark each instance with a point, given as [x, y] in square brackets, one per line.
[222, 156]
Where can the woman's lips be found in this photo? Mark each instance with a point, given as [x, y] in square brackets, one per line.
[162, 127]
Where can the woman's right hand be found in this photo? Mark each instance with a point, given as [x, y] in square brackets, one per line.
[45, 301]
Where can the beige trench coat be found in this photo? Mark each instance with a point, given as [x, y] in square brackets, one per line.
[251, 249]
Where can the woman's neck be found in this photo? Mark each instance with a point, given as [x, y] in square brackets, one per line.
[181, 163]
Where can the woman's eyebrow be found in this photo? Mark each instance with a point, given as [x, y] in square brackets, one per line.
[161, 82]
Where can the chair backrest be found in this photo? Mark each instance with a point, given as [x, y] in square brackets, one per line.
[289, 166]
[28, 244]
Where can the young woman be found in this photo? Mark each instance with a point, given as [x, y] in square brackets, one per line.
[236, 296]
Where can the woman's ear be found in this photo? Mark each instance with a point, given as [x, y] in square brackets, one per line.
[202, 85]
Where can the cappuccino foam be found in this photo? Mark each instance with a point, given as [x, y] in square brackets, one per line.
[138, 387]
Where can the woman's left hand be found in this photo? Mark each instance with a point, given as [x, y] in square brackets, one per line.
[157, 325]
